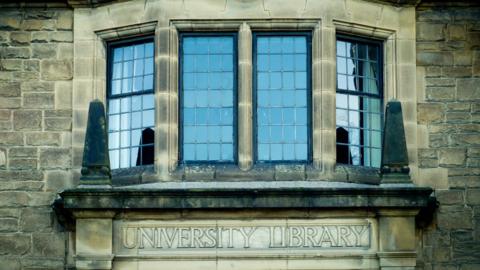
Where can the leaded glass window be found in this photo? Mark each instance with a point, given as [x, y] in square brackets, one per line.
[131, 103]
[359, 106]
[208, 97]
[282, 84]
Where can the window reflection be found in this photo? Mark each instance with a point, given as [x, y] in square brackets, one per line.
[130, 106]
[358, 103]
[207, 71]
[282, 94]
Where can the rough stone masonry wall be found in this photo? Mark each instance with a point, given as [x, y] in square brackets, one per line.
[448, 74]
[36, 52]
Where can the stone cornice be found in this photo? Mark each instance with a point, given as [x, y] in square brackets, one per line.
[95, 3]
[246, 196]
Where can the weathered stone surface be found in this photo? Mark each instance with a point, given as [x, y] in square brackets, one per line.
[10, 64]
[35, 220]
[37, 86]
[430, 31]
[466, 251]
[465, 139]
[43, 139]
[11, 138]
[459, 71]
[23, 152]
[11, 263]
[456, 31]
[468, 89]
[289, 172]
[55, 158]
[58, 124]
[36, 25]
[44, 51]
[448, 197]
[15, 199]
[48, 244]
[40, 37]
[32, 175]
[430, 112]
[10, 103]
[456, 217]
[58, 113]
[458, 107]
[41, 198]
[473, 196]
[63, 36]
[20, 38]
[9, 89]
[458, 117]
[22, 164]
[452, 156]
[8, 225]
[58, 180]
[53, 70]
[27, 120]
[65, 20]
[434, 58]
[440, 93]
[440, 82]
[31, 65]
[39, 100]
[15, 52]
[9, 22]
[14, 244]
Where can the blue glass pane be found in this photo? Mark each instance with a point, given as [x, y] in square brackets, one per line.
[138, 67]
[149, 49]
[128, 53]
[139, 51]
[282, 109]
[148, 82]
[208, 98]
[117, 54]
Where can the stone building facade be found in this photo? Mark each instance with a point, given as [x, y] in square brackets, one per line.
[54, 62]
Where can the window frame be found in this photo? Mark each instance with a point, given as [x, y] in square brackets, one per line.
[254, 135]
[381, 96]
[234, 36]
[127, 42]
[110, 46]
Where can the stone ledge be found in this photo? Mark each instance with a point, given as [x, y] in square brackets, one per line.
[244, 195]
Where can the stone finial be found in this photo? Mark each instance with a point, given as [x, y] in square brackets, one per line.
[96, 161]
[394, 166]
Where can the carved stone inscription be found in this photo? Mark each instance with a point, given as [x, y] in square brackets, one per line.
[326, 236]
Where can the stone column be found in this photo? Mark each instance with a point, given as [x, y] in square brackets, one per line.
[397, 240]
[94, 240]
[245, 145]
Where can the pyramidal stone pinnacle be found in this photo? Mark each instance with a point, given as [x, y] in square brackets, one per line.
[96, 161]
[394, 168]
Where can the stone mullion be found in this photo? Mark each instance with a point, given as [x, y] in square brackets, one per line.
[173, 99]
[327, 82]
[162, 97]
[316, 97]
[245, 108]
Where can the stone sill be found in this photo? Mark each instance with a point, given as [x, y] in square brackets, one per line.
[259, 172]
[244, 195]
